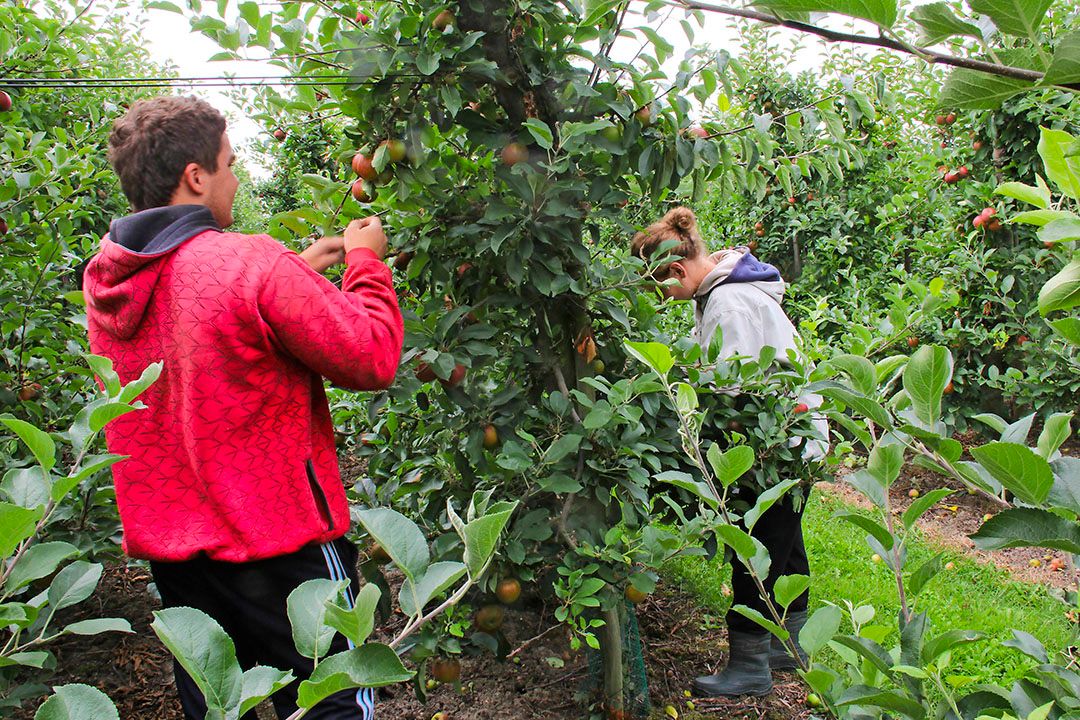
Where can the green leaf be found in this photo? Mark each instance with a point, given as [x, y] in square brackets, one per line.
[91, 465]
[789, 587]
[973, 90]
[1065, 65]
[74, 584]
[96, 626]
[869, 486]
[1018, 469]
[1061, 230]
[1029, 645]
[1055, 431]
[925, 377]
[878, 531]
[1061, 292]
[259, 683]
[1061, 169]
[357, 622]
[991, 420]
[1037, 196]
[16, 524]
[924, 574]
[935, 648]
[203, 649]
[26, 487]
[103, 368]
[540, 132]
[738, 540]
[687, 482]
[859, 369]
[686, 399]
[371, 665]
[1028, 527]
[938, 23]
[135, 388]
[886, 699]
[482, 536]
[77, 702]
[869, 650]
[37, 562]
[561, 447]
[656, 355]
[438, 578]
[39, 442]
[879, 12]
[306, 608]
[820, 628]
[1068, 328]
[916, 509]
[1066, 490]
[1039, 218]
[757, 617]
[868, 408]
[1014, 17]
[766, 500]
[399, 536]
[731, 465]
[885, 462]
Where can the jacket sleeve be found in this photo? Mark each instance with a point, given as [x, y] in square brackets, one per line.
[350, 336]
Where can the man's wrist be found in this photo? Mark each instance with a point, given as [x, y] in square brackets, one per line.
[359, 254]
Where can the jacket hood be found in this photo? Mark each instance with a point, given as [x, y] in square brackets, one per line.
[119, 280]
[738, 265]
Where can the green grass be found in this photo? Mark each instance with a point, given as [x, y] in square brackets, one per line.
[970, 596]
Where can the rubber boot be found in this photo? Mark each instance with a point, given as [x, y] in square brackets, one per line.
[747, 671]
[779, 656]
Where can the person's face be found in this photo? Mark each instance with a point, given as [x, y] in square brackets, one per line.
[221, 185]
[680, 290]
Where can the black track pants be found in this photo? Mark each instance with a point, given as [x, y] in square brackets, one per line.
[780, 531]
[248, 601]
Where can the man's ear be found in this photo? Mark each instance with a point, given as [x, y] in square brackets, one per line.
[193, 179]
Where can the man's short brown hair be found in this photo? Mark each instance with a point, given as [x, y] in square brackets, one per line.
[156, 139]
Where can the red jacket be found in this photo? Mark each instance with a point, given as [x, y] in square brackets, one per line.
[234, 454]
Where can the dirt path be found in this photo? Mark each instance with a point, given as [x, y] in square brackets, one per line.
[949, 523]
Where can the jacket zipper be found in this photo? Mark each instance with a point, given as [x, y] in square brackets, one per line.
[319, 496]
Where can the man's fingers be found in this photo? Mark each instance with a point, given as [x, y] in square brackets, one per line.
[372, 222]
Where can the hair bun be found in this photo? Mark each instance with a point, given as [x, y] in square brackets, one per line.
[682, 220]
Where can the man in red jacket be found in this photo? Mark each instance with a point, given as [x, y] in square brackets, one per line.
[232, 490]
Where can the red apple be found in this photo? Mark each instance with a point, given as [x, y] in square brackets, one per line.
[362, 18]
[950, 118]
[514, 153]
[456, 376]
[361, 165]
[359, 192]
[279, 134]
[425, 373]
[5, 101]
[801, 408]
[443, 20]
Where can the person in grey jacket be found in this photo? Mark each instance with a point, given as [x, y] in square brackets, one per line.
[739, 296]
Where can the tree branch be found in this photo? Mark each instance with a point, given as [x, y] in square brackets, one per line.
[930, 56]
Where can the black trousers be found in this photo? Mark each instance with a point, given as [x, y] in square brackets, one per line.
[249, 602]
[780, 530]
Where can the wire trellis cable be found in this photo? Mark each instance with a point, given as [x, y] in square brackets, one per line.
[207, 81]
